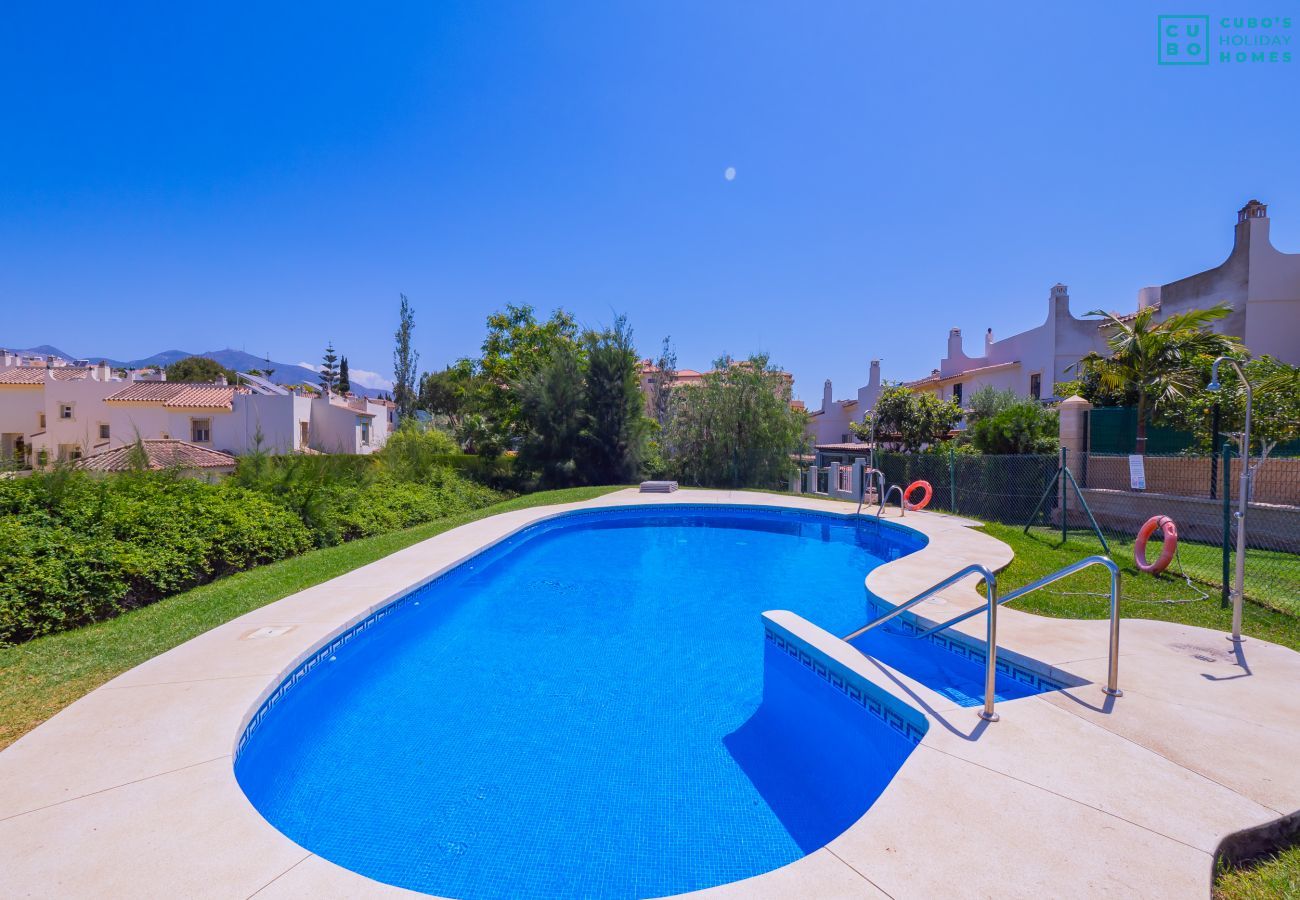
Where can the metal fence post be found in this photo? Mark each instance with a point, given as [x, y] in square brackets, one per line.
[1065, 493]
[952, 479]
[1227, 520]
[1214, 453]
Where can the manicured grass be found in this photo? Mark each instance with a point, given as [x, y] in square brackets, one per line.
[1272, 576]
[39, 678]
[1086, 595]
[1267, 879]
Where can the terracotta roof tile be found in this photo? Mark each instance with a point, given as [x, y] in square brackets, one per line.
[162, 454]
[936, 378]
[176, 393]
[36, 374]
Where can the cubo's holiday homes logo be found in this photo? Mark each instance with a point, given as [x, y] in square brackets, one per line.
[1227, 40]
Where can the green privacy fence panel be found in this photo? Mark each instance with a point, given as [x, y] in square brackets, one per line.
[1005, 489]
[993, 488]
[1114, 430]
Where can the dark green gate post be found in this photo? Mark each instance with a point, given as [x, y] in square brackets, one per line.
[1227, 519]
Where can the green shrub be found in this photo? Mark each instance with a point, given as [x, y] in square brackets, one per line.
[75, 549]
[1025, 426]
[414, 451]
[388, 504]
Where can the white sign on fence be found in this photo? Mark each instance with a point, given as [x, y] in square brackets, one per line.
[1137, 473]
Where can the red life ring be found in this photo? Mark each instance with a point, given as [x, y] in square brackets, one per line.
[1167, 551]
[925, 500]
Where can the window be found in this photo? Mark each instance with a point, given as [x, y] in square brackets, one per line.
[69, 452]
[200, 431]
[304, 431]
[65, 410]
[365, 430]
[40, 418]
[956, 392]
[1036, 386]
[103, 431]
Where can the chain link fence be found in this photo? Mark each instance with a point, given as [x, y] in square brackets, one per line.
[1199, 493]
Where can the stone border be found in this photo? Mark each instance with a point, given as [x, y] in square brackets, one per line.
[131, 790]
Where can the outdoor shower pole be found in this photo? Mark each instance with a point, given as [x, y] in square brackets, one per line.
[1239, 581]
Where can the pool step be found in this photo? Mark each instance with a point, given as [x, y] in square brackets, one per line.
[658, 487]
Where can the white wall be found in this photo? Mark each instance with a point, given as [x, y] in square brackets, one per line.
[831, 425]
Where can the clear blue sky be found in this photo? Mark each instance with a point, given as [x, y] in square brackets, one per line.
[270, 176]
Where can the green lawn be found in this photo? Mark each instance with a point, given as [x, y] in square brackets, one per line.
[1086, 595]
[39, 678]
[1270, 878]
[1272, 576]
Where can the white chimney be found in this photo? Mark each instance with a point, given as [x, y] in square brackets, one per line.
[954, 343]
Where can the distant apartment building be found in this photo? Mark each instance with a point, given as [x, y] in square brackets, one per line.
[51, 412]
[647, 378]
[1260, 283]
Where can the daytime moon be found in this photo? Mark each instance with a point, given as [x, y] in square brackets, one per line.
[730, 173]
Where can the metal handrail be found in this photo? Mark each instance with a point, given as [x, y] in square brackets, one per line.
[991, 609]
[902, 501]
[1112, 675]
[991, 669]
[873, 475]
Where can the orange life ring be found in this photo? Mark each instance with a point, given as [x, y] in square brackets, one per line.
[925, 500]
[1167, 551]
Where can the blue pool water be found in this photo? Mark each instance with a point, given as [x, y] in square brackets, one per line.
[590, 709]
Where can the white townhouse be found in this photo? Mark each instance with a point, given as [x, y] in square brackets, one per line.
[1260, 283]
[51, 413]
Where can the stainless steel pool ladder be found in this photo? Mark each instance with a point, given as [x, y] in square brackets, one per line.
[902, 501]
[991, 609]
[873, 475]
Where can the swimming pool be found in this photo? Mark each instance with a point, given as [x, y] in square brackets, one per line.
[589, 708]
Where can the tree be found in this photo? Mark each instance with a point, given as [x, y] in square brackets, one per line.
[1024, 426]
[551, 415]
[1275, 414]
[908, 419]
[614, 433]
[477, 434]
[661, 383]
[736, 427]
[1157, 360]
[329, 371]
[200, 368]
[517, 346]
[452, 393]
[345, 384]
[988, 401]
[405, 359]
[581, 414]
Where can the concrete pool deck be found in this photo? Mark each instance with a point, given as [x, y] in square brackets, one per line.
[130, 791]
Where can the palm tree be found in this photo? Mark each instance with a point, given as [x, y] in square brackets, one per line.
[1157, 360]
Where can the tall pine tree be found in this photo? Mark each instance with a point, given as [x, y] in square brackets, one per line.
[613, 439]
[329, 370]
[405, 359]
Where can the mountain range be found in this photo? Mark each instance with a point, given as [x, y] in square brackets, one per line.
[284, 373]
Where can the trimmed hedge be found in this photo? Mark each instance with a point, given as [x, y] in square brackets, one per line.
[76, 549]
